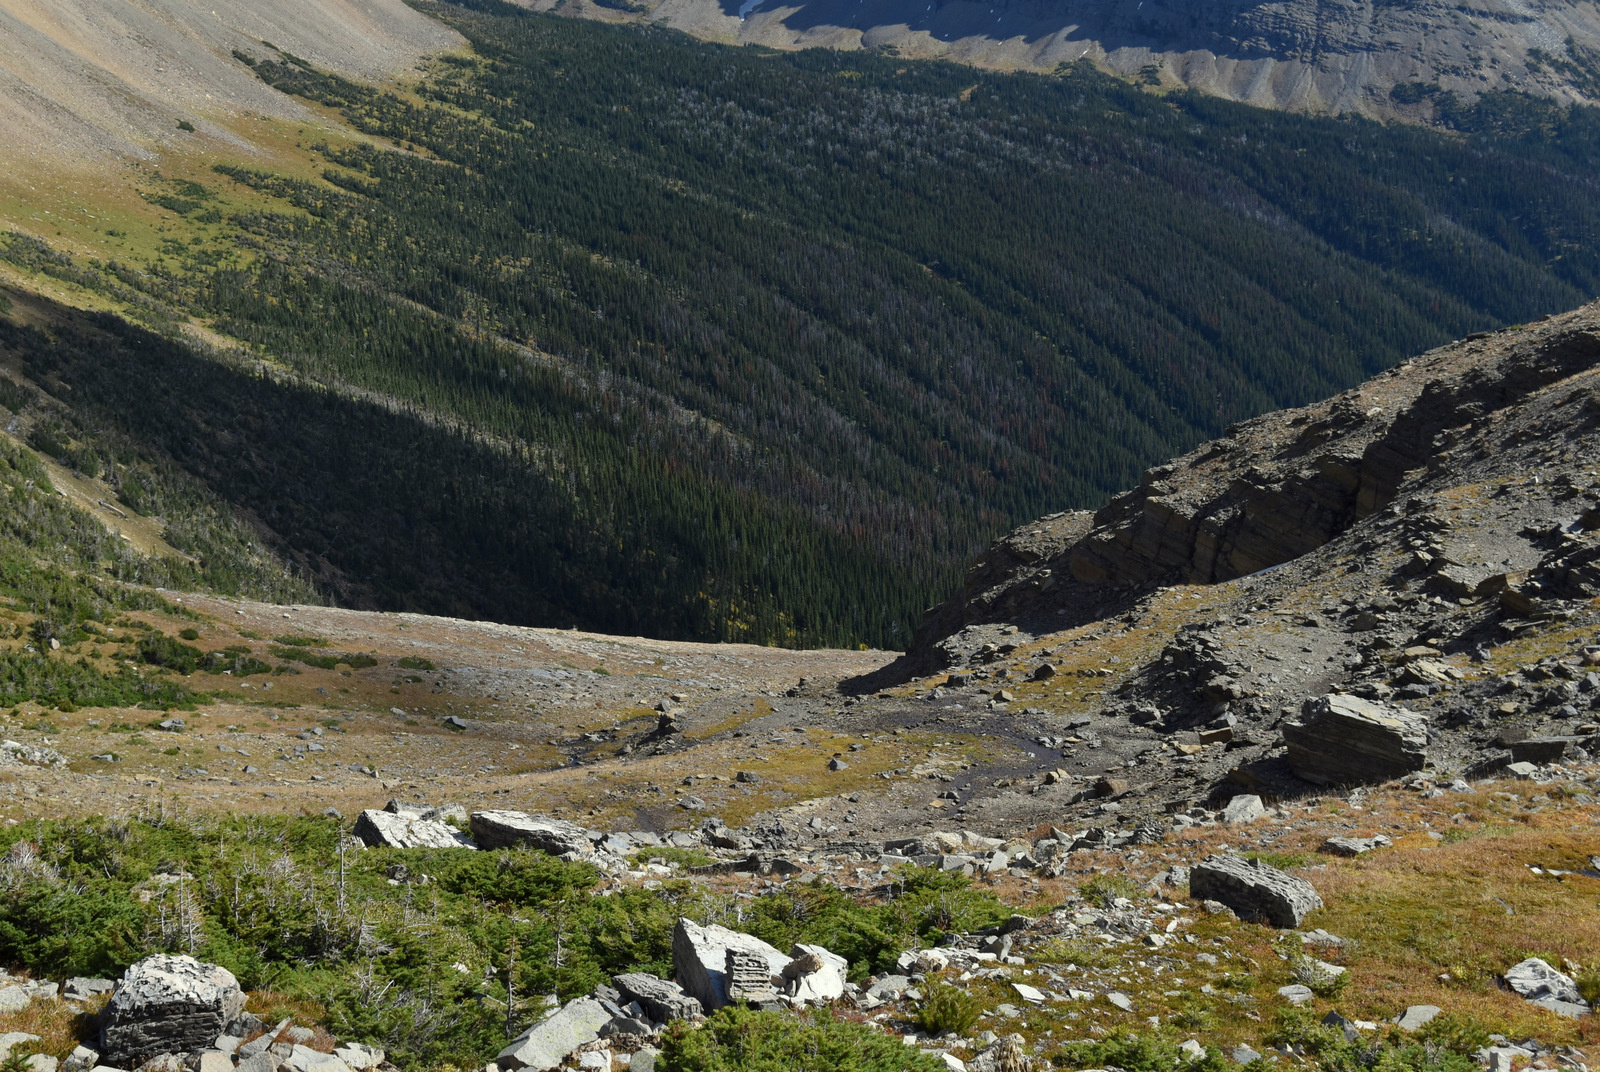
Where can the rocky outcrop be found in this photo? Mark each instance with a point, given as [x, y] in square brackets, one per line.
[1538, 983]
[1254, 890]
[547, 1043]
[509, 829]
[661, 999]
[1272, 489]
[1292, 54]
[387, 829]
[700, 961]
[167, 1004]
[1345, 740]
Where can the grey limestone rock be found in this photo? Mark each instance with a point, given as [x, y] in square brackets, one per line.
[1415, 1016]
[700, 960]
[1350, 846]
[1253, 890]
[1345, 740]
[1244, 808]
[401, 831]
[167, 1004]
[547, 1043]
[661, 999]
[1539, 983]
[510, 829]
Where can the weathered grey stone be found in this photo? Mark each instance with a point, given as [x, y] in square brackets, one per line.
[1538, 982]
[661, 999]
[43, 1062]
[1345, 740]
[81, 1059]
[81, 988]
[815, 975]
[1353, 846]
[214, 1061]
[1253, 890]
[1295, 994]
[1415, 1016]
[1243, 1054]
[305, 1059]
[1244, 808]
[748, 976]
[1120, 1000]
[14, 999]
[260, 1062]
[644, 1059]
[260, 1044]
[510, 829]
[699, 960]
[400, 831]
[167, 1004]
[359, 1057]
[547, 1043]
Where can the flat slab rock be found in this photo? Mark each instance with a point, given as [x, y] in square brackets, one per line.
[547, 1043]
[1346, 740]
[512, 829]
[1354, 846]
[661, 999]
[378, 829]
[1254, 890]
[167, 1004]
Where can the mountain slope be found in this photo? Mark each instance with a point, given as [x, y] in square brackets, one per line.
[100, 80]
[1368, 57]
[600, 325]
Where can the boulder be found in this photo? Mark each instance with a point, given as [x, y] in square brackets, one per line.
[1416, 1016]
[661, 999]
[547, 1043]
[359, 1057]
[511, 829]
[1354, 846]
[1244, 808]
[167, 1004]
[14, 999]
[815, 975]
[378, 829]
[14, 1038]
[700, 958]
[1345, 740]
[1539, 983]
[305, 1059]
[1253, 890]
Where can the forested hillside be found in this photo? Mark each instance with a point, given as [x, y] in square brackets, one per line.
[647, 335]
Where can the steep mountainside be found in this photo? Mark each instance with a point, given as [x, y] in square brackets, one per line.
[97, 80]
[602, 325]
[1371, 57]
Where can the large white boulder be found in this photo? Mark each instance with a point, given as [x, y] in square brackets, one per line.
[386, 829]
[700, 956]
[825, 983]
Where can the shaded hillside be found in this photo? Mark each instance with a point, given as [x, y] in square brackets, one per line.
[653, 336]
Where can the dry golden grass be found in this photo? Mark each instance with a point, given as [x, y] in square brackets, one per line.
[59, 1027]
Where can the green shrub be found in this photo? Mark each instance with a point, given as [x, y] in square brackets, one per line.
[742, 1040]
[189, 634]
[1458, 1033]
[296, 640]
[947, 1008]
[413, 662]
[161, 650]
[1155, 1052]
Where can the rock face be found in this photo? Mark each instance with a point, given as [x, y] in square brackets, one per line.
[661, 999]
[547, 1043]
[167, 1004]
[700, 960]
[1254, 890]
[384, 828]
[1345, 740]
[1290, 54]
[509, 829]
